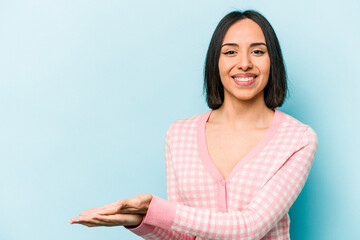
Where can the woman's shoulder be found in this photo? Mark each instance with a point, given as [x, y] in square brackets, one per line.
[291, 121]
[188, 124]
[193, 119]
[295, 128]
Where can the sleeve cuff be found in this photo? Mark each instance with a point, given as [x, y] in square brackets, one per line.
[161, 213]
[142, 229]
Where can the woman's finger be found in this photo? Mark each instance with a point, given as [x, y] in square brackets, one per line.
[89, 221]
[120, 219]
[89, 224]
[108, 209]
[111, 208]
[95, 220]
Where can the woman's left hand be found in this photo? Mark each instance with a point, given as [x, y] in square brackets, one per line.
[126, 212]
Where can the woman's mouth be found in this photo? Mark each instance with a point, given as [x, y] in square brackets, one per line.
[244, 81]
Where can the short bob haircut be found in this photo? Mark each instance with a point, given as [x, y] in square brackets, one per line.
[276, 89]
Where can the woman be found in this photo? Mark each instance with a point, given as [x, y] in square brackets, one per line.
[234, 171]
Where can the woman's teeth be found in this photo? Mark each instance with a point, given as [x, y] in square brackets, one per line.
[247, 79]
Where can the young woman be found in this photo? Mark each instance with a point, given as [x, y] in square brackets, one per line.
[234, 171]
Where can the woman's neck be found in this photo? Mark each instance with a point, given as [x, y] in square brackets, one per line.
[243, 114]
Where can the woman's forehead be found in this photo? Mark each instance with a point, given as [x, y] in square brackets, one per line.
[244, 31]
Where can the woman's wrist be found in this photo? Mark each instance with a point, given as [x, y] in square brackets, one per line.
[135, 225]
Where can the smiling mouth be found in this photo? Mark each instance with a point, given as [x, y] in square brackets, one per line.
[244, 79]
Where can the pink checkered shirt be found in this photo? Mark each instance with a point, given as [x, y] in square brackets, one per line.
[251, 203]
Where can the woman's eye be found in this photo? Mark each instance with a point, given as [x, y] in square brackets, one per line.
[258, 52]
[229, 53]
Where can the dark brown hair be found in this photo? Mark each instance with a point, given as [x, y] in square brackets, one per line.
[276, 88]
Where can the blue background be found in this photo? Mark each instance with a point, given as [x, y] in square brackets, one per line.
[89, 88]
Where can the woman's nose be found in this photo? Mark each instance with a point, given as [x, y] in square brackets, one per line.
[244, 62]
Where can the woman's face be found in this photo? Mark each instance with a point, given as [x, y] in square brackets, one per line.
[244, 63]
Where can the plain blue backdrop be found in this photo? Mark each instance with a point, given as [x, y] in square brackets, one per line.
[88, 89]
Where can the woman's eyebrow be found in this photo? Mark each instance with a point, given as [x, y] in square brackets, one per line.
[230, 44]
[237, 45]
[257, 43]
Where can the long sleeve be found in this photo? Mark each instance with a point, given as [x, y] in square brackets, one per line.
[268, 205]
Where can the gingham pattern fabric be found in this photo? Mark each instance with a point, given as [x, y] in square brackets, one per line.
[251, 203]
